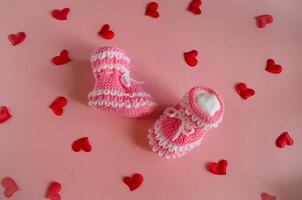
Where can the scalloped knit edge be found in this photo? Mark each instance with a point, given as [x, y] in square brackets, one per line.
[109, 54]
[117, 93]
[115, 104]
[156, 148]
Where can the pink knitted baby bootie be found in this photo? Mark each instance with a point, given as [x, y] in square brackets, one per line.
[182, 128]
[114, 89]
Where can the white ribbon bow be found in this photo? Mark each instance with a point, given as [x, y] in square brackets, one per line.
[185, 128]
[127, 81]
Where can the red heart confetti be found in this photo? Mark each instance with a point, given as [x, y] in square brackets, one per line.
[244, 91]
[81, 144]
[57, 105]
[106, 33]
[194, 7]
[190, 58]
[133, 181]
[151, 10]
[272, 67]
[61, 59]
[263, 20]
[10, 186]
[60, 14]
[53, 191]
[4, 114]
[16, 38]
[283, 140]
[218, 168]
[266, 196]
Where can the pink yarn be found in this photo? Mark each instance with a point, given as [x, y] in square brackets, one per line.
[114, 89]
[180, 129]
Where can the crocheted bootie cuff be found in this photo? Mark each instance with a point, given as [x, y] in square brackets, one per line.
[109, 58]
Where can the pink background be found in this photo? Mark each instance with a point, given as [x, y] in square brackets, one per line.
[35, 144]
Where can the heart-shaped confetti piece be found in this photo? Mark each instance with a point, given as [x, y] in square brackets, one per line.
[190, 58]
[134, 181]
[218, 168]
[10, 186]
[263, 20]
[283, 140]
[194, 7]
[151, 10]
[58, 105]
[16, 38]
[106, 32]
[272, 67]
[244, 91]
[53, 191]
[266, 196]
[4, 114]
[81, 144]
[60, 14]
[61, 59]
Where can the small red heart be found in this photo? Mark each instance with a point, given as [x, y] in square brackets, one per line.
[4, 114]
[218, 168]
[283, 140]
[16, 38]
[133, 181]
[266, 196]
[10, 186]
[60, 14]
[272, 67]
[62, 59]
[58, 104]
[263, 20]
[81, 144]
[53, 191]
[190, 58]
[194, 7]
[106, 33]
[151, 10]
[244, 91]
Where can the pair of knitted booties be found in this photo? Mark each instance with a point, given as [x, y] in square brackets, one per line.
[178, 130]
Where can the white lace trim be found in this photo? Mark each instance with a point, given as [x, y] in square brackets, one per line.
[109, 54]
[156, 149]
[115, 104]
[164, 143]
[118, 93]
[185, 108]
[118, 67]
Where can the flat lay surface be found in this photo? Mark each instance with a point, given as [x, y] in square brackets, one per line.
[39, 147]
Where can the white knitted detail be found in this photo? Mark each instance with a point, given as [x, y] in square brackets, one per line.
[118, 93]
[164, 143]
[185, 108]
[154, 146]
[109, 54]
[115, 104]
[155, 149]
[118, 67]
